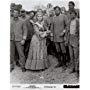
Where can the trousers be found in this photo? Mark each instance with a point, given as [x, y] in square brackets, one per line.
[20, 50]
[74, 57]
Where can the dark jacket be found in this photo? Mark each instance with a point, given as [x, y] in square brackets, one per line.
[30, 29]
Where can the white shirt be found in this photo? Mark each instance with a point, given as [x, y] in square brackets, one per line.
[73, 27]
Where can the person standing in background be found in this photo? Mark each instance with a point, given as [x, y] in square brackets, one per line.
[50, 44]
[30, 31]
[63, 10]
[71, 6]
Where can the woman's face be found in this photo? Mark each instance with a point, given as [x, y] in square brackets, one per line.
[15, 14]
[39, 17]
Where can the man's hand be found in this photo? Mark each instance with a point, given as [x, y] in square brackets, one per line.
[22, 42]
[51, 34]
[62, 34]
[66, 43]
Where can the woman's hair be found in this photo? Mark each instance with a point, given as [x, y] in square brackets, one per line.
[39, 13]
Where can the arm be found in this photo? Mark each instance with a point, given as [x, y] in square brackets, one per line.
[24, 36]
[67, 28]
[65, 23]
[36, 28]
[77, 27]
[24, 31]
[52, 27]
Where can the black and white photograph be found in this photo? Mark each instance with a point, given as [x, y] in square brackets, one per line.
[44, 42]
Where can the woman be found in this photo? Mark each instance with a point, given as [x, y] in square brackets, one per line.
[37, 57]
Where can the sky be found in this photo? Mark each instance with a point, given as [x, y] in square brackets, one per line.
[29, 4]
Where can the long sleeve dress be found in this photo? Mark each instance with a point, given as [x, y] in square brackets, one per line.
[37, 57]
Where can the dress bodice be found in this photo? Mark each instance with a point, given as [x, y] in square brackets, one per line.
[41, 26]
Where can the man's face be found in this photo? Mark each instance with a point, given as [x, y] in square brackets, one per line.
[71, 6]
[63, 10]
[57, 11]
[51, 13]
[23, 13]
[31, 15]
[15, 14]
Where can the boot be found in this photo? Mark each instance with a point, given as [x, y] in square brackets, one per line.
[59, 60]
[23, 70]
[64, 62]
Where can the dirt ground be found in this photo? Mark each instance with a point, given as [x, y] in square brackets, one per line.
[49, 76]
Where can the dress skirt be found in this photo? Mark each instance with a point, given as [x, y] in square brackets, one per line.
[37, 56]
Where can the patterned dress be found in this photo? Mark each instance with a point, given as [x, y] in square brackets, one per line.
[37, 57]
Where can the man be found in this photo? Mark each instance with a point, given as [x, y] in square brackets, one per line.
[63, 10]
[71, 6]
[24, 19]
[50, 44]
[23, 15]
[30, 31]
[73, 39]
[60, 26]
[18, 34]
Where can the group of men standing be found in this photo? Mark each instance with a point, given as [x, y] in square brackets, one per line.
[65, 33]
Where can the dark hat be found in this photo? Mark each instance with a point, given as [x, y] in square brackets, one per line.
[22, 10]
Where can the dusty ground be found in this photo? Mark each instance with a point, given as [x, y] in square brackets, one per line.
[49, 76]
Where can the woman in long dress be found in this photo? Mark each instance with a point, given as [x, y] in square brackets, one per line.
[37, 57]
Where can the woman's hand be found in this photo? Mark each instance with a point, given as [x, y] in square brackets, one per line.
[48, 31]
